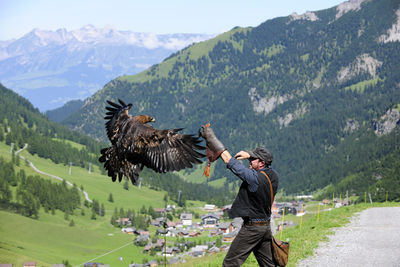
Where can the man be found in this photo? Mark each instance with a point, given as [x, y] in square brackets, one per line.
[252, 203]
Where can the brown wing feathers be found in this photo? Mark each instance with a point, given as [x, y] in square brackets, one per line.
[136, 144]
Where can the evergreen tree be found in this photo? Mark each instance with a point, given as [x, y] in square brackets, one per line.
[110, 198]
[93, 217]
[126, 185]
[103, 210]
[5, 192]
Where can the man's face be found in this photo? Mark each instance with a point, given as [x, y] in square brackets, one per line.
[256, 164]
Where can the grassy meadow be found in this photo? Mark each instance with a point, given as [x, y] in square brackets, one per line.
[51, 240]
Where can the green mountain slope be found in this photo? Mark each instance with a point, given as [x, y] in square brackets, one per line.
[301, 85]
[59, 114]
[46, 220]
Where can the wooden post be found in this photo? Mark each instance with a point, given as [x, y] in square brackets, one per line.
[283, 217]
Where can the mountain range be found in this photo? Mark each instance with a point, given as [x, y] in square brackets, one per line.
[320, 90]
[52, 67]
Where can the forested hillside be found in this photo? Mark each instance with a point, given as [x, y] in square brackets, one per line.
[60, 114]
[22, 124]
[320, 90]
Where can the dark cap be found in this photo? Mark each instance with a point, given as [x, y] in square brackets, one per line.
[262, 154]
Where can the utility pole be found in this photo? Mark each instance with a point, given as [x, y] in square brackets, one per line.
[70, 165]
[179, 195]
[140, 182]
[12, 146]
[90, 168]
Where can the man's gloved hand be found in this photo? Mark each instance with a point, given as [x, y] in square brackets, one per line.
[212, 142]
[214, 146]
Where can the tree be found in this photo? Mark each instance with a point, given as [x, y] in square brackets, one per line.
[93, 217]
[66, 263]
[72, 223]
[126, 185]
[5, 192]
[110, 198]
[30, 205]
[102, 210]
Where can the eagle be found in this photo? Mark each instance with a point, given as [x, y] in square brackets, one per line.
[135, 144]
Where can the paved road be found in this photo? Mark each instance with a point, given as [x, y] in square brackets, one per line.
[371, 239]
[50, 175]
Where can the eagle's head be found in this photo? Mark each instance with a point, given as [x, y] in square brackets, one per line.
[144, 118]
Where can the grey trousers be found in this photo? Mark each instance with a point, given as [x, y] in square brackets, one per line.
[251, 238]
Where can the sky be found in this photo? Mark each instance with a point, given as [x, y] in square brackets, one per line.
[18, 17]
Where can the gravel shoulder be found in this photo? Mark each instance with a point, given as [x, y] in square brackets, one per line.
[372, 238]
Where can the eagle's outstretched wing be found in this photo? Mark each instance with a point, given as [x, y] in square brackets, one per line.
[136, 144]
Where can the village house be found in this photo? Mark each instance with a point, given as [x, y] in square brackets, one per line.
[214, 232]
[171, 225]
[224, 247]
[157, 221]
[194, 234]
[95, 264]
[141, 240]
[160, 210]
[155, 246]
[178, 224]
[161, 231]
[170, 208]
[129, 230]
[152, 263]
[326, 202]
[220, 214]
[199, 250]
[169, 252]
[56, 265]
[230, 237]
[172, 232]
[143, 233]
[225, 227]
[214, 250]
[6, 265]
[186, 218]
[210, 220]
[183, 233]
[30, 264]
[123, 221]
[210, 207]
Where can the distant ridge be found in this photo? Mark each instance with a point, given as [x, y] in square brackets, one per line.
[50, 68]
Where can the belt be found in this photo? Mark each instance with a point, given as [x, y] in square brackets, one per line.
[257, 223]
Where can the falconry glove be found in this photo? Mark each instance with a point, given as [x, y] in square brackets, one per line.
[214, 146]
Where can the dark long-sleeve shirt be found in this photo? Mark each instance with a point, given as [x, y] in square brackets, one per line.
[244, 173]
